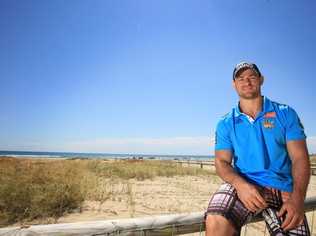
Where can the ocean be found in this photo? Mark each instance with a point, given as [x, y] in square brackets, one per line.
[32, 154]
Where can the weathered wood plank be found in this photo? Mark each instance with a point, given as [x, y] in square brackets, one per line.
[157, 225]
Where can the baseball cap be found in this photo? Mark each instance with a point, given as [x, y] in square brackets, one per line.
[243, 66]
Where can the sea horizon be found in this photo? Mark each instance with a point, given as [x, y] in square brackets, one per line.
[97, 155]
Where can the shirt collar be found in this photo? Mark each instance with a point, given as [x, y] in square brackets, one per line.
[267, 107]
[237, 111]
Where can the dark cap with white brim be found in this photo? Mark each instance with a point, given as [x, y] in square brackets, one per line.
[243, 66]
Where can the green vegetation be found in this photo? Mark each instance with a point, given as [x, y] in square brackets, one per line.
[42, 189]
[30, 190]
[142, 170]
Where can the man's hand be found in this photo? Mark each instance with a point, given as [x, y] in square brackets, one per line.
[247, 193]
[250, 196]
[292, 212]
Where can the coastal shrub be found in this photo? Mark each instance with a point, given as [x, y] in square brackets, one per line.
[32, 190]
[145, 169]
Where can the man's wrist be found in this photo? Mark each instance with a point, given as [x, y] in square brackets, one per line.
[237, 181]
[297, 196]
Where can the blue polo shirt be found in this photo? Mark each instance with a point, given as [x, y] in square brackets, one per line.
[258, 145]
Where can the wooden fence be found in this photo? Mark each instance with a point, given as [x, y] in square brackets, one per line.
[211, 163]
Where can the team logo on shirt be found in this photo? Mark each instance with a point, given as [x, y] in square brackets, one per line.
[269, 124]
[270, 115]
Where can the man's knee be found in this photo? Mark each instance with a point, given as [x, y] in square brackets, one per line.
[220, 225]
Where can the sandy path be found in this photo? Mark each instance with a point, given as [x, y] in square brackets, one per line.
[163, 195]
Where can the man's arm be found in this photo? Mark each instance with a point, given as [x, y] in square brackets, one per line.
[247, 193]
[294, 207]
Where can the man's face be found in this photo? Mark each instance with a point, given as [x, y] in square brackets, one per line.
[248, 84]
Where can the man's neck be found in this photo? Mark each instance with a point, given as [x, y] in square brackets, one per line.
[251, 107]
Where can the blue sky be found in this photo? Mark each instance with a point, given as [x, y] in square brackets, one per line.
[139, 76]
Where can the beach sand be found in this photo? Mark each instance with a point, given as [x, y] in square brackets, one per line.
[162, 195]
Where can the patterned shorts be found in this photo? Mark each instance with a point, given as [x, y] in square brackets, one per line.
[225, 202]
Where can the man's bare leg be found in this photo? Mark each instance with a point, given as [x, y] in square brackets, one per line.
[217, 225]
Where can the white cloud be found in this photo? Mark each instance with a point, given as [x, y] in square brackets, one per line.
[170, 145]
[201, 145]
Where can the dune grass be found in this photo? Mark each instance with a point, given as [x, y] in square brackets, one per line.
[31, 190]
[41, 189]
[142, 169]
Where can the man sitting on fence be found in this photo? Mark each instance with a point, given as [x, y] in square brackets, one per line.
[261, 154]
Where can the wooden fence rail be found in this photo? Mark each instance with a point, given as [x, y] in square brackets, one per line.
[211, 163]
[157, 225]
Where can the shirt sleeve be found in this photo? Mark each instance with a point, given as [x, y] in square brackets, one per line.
[294, 127]
[222, 137]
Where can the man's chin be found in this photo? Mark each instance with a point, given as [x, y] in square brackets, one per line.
[249, 96]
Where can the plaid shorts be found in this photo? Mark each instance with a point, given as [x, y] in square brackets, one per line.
[225, 202]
